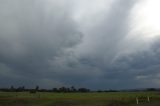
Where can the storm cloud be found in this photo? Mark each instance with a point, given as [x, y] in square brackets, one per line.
[94, 44]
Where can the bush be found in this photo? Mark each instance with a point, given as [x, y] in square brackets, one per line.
[32, 91]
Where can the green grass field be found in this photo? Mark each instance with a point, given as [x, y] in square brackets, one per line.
[78, 99]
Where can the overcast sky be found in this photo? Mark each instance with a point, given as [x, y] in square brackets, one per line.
[98, 44]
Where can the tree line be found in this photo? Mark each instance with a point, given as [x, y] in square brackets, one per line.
[37, 89]
[69, 89]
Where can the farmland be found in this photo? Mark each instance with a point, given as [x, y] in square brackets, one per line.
[78, 99]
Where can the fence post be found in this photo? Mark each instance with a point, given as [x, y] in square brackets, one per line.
[137, 100]
[148, 98]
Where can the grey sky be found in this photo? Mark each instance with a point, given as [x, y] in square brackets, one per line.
[100, 44]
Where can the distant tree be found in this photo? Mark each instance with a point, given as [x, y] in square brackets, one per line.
[23, 88]
[111, 90]
[151, 89]
[37, 88]
[12, 88]
[99, 91]
[32, 91]
[43, 90]
[63, 89]
[55, 90]
[20, 89]
[68, 89]
[73, 89]
[83, 90]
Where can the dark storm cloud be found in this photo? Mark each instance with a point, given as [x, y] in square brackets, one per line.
[137, 70]
[31, 34]
[41, 43]
[93, 66]
[141, 67]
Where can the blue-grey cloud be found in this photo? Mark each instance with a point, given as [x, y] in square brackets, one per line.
[44, 43]
[31, 34]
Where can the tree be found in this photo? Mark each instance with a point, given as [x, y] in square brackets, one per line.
[73, 89]
[12, 88]
[83, 90]
[37, 88]
[55, 90]
[63, 89]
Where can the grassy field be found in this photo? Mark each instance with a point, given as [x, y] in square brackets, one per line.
[78, 99]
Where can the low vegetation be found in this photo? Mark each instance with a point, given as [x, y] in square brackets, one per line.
[79, 99]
